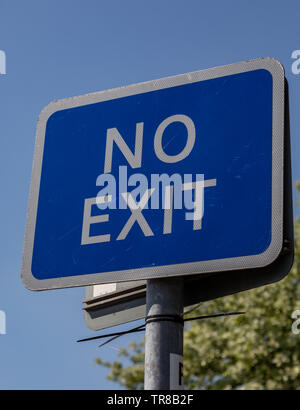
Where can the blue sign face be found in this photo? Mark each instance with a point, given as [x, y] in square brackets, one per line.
[163, 178]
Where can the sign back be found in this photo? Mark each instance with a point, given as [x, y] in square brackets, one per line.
[177, 176]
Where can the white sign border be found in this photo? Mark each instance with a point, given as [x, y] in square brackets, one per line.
[244, 262]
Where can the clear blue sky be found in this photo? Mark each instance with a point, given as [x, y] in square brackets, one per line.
[62, 48]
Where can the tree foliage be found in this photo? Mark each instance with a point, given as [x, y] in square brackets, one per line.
[257, 350]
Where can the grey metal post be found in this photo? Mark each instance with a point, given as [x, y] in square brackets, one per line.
[164, 335]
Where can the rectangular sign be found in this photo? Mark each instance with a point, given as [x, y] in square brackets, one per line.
[114, 304]
[177, 176]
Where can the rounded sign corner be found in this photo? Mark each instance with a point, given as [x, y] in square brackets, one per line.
[30, 282]
[271, 254]
[273, 66]
[48, 111]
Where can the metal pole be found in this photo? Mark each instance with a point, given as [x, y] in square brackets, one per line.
[164, 334]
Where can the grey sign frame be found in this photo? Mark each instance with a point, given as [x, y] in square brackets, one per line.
[196, 268]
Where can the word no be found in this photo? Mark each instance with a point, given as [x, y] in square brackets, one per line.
[134, 159]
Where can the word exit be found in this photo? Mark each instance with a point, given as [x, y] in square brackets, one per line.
[172, 186]
[137, 215]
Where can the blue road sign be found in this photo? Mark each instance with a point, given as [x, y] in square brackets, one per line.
[177, 176]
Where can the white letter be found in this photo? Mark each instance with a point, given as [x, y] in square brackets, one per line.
[136, 215]
[166, 181]
[86, 239]
[198, 186]
[2, 62]
[176, 367]
[2, 323]
[168, 209]
[191, 135]
[296, 64]
[142, 182]
[295, 325]
[106, 197]
[113, 135]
